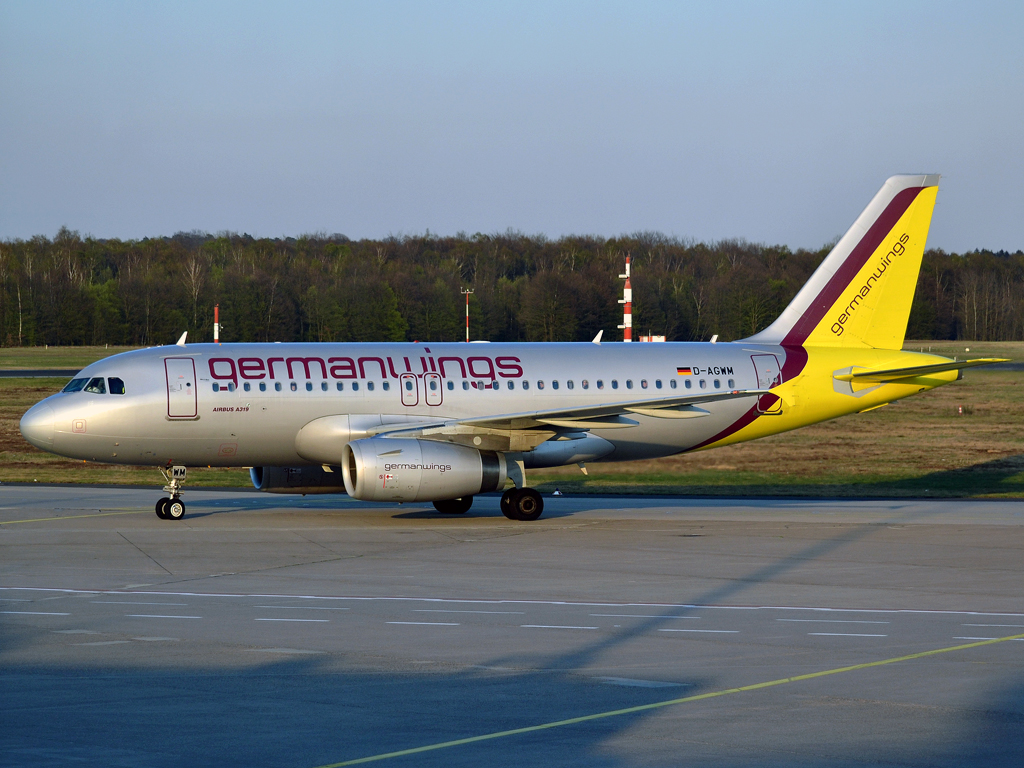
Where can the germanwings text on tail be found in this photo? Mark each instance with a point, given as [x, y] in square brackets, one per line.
[444, 422]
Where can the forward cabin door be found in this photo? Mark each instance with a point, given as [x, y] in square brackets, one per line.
[769, 374]
[410, 387]
[432, 388]
[181, 387]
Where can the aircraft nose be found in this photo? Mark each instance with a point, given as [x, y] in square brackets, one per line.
[37, 426]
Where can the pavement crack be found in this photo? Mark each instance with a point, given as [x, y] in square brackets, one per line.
[144, 552]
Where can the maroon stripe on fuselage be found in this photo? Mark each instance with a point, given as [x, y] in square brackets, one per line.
[848, 270]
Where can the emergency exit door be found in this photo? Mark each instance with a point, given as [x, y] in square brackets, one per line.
[432, 388]
[181, 387]
[409, 385]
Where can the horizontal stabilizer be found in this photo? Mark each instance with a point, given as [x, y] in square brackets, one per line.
[895, 374]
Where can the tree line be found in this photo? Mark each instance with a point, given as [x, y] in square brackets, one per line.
[71, 290]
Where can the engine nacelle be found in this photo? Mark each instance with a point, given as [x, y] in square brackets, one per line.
[297, 480]
[405, 469]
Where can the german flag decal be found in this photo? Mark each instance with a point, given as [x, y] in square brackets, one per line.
[684, 371]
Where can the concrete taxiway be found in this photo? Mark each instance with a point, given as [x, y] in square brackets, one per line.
[291, 631]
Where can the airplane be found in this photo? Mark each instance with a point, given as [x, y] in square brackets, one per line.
[443, 422]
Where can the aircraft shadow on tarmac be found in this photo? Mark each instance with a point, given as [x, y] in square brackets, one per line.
[301, 712]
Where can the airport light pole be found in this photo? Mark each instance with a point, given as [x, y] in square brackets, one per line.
[466, 294]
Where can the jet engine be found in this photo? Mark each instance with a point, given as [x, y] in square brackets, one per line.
[405, 469]
[297, 480]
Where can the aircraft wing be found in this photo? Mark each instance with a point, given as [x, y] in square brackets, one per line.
[895, 374]
[597, 416]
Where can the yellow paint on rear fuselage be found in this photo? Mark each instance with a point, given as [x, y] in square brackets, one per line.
[811, 396]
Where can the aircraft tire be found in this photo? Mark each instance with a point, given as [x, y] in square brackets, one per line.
[506, 503]
[175, 509]
[454, 506]
[161, 508]
[527, 505]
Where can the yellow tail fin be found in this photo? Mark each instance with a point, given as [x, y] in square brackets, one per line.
[860, 295]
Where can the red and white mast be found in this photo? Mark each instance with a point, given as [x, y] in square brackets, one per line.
[627, 310]
[216, 323]
[466, 293]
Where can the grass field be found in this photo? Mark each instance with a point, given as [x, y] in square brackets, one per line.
[919, 447]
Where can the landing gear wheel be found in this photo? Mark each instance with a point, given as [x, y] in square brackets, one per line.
[506, 503]
[175, 509]
[454, 506]
[161, 508]
[526, 504]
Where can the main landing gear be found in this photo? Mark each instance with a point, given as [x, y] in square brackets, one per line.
[522, 504]
[172, 507]
[454, 506]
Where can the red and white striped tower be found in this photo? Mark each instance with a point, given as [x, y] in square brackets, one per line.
[467, 292]
[627, 309]
[216, 323]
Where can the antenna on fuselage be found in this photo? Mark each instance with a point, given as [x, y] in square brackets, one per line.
[597, 339]
[181, 341]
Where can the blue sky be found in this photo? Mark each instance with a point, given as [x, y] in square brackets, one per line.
[773, 122]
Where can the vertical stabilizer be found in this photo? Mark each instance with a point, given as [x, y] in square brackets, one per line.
[860, 295]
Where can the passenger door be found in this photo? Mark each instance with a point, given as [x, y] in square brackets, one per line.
[769, 374]
[181, 387]
[432, 388]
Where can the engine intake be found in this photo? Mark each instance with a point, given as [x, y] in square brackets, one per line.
[297, 480]
[405, 469]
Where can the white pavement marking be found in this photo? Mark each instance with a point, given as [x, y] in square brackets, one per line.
[280, 650]
[427, 623]
[513, 601]
[307, 607]
[836, 621]
[74, 632]
[639, 615]
[37, 613]
[974, 638]
[707, 631]
[992, 625]
[315, 621]
[157, 639]
[552, 626]
[456, 610]
[129, 602]
[629, 682]
[157, 616]
[842, 634]
[106, 642]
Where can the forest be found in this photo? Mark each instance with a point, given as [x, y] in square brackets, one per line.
[71, 290]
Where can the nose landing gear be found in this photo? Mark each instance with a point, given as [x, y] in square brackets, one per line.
[172, 507]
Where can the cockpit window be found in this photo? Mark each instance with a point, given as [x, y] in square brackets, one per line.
[96, 386]
[116, 385]
[75, 385]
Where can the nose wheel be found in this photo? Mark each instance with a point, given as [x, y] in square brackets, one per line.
[522, 504]
[172, 507]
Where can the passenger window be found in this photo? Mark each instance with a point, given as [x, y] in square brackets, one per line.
[323, 386]
[732, 384]
[293, 386]
[540, 384]
[569, 384]
[116, 385]
[718, 384]
[263, 386]
[451, 385]
[386, 386]
[355, 386]
[615, 383]
[341, 387]
[643, 383]
[586, 384]
[216, 387]
[703, 384]
[247, 386]
[309, 386]
[554, 384]
[687, 383]
[75, 385]
[433, 386]
[526, 384]
[600, 384]
[465, 385]
[511, 385]
[408, 385]
[672, 383]
[657, 383]
[277, 386]
[369, 385]
[629, 383]
[96, 386]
